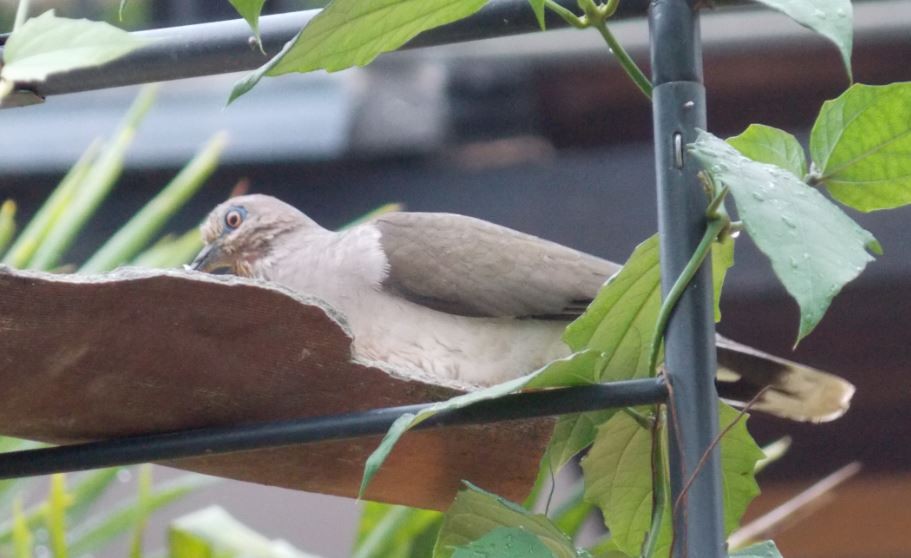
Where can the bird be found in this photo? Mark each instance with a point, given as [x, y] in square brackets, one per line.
[453, 297]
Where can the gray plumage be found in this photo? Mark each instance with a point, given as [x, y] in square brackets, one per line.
[454, 297]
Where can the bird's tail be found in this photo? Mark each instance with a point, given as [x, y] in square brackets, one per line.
[796, 392]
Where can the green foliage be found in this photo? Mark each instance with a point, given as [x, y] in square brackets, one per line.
[213, 533]
[571, 367]
[58, 501]
[249, 10]
[98, 531]
[353, 32]
[97, 183]
[833, 19]
[23, 540]
[475, 513]
[387, 531]
[7, 223]
[48, 44]
[765, 144]
[23, 249]
[538, 7]
[814, 247]
[136, 234]
[861, 146]
[505, 542]
[618, 477]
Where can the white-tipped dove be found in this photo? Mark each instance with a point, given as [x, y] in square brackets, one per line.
[457, 297]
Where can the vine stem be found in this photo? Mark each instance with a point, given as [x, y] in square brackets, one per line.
[659, 485]
[626, 61]
[714, 228]
[596, 16]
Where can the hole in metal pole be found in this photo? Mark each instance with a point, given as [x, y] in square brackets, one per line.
[678, 150]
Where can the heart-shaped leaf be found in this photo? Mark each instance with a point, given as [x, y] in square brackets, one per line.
[766, 144]
[814, 247]
[861, 146]
[833, 19]
[350, 33]
[618, 478]
[49, 44]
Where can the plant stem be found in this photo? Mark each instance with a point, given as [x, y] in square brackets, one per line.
[626, 62]
[714, 227]
[659, 485]
[567, 15]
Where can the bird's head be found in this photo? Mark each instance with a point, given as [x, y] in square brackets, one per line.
[241, 232]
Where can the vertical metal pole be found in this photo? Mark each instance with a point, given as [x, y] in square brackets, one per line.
[679, 107]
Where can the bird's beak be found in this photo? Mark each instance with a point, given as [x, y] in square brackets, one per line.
[211, 260]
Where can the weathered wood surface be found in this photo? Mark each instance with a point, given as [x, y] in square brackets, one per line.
[135, 352]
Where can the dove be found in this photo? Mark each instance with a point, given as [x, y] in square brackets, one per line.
[457, 298]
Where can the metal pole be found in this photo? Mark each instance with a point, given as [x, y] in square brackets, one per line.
[679, 108]
[210, 441]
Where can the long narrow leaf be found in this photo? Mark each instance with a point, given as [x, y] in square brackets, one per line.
[22, 251]
[142, 510]
[89, 489]
[94, 188]
[98, 531]
[55, 515]
[137, 233]
[7, 223]
[22, 535]
[171, 252]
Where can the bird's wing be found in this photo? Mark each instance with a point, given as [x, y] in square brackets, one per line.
[470, 267]
[792, 390]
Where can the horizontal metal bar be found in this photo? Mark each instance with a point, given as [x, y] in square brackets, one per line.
[210, 441]
[224, 46]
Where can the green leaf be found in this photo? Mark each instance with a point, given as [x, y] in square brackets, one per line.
[93, 188]
[54, 508]
[620, 322]
[171, 252]
[249, 10]
[570, 517]
[136, 234]
[143, 510]
[505, 542]
[89, 488]
[212, 532]
[48, 44]
[28, 241]
[23, 541]
[538, 7]
[833, 19]
[861, 146]
[475, 513]
[353, 32]
[112, 523]
[572, 367]
[618, 478]
[572, 434]
[722, 261]
[814, 247]
[387, 531]
[7, 223]
[766, 549]
[772, 146]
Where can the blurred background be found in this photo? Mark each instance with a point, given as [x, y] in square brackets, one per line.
[545, 134]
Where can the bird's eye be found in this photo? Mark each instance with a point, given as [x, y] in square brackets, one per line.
[234, 218]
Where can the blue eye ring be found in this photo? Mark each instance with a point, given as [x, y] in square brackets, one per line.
[235, 217]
